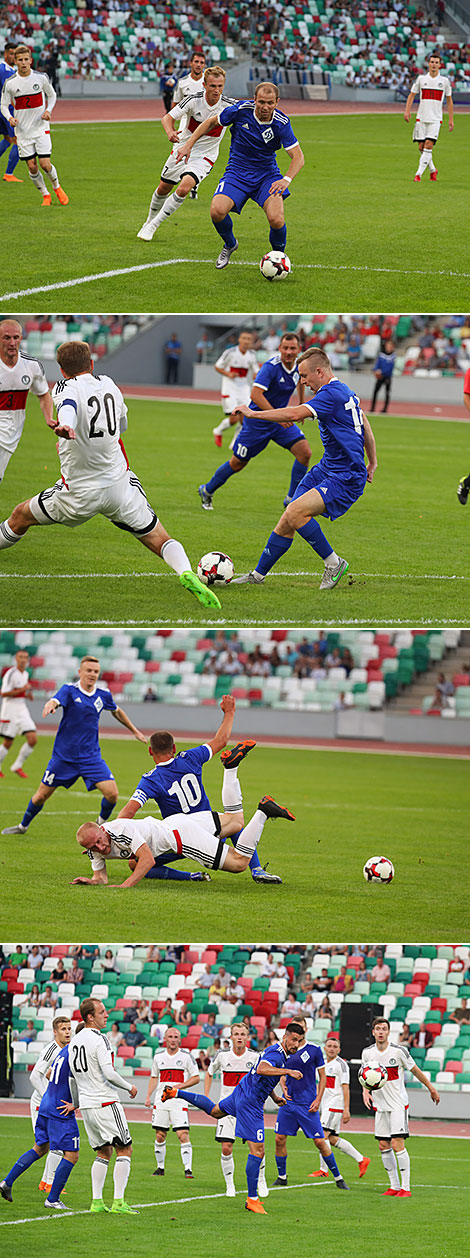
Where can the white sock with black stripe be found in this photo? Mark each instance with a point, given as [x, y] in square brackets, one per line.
[156, 204]
[425, 159]
[122, 1170]
[52, 1162]
[231, 791]
[174, 554]
[38, 181]
[53, 176]
[99, 1172]
[228, 1168]
[403, 1162]
[171, 205]
[23, 754]
[390, 1163]
[187, 1155]
[160, 1154]
[7, 536]
[251, 834]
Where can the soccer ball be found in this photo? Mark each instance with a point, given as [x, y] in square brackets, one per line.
[372, 1076]
[275, 265]
[215, 568]
[378, 869]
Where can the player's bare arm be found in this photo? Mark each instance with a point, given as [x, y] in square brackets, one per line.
[366, 1096]
[129, 809]
[450, 107]
[422, 1078]
[408, 106]
[46, 404]
[370, 448]
[222, 735]
[50, 706]
[168, 124]
[264, 1068]
[150, 1091]
[346, 1110]
[285, 414]
[185, 149]
[296, 163]
[120, 716]
[321, 1088]
[99, 879]
[145, 861]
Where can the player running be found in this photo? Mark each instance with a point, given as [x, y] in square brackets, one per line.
[56, 1128]
[434, 89]
[19, 375]
[335, 1106]
[177, 179]
[301, 1110]
[95, 475]
[76, 752]
[172, 1064]
[91, 1066]
[258, 130]
[463, 488]
[390, 1105]
[232, 1064]
[33, 98]
[15, 717]
[277, 380]
[330, 487]
[7, 69]
[237, 365]
[246, 1103]
[186, 86]
[62, 1032]
[144, 840]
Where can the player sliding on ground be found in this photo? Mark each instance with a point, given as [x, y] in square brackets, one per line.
[95, 475]
[335, 483]
[33, 98]
[258, 130]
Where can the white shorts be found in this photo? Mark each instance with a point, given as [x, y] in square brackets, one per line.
[225, 1129]
[230, 400]
[174, 1114]
[426, 131]
[33, 1109]
[107, 1124]
[174, 172]
[392, 1122]
[124, 502]
[5, 456]
[331, 1119]
[186, 837]
[22, 723]
[38, 144]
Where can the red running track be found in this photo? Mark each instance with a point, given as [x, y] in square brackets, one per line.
[422, 410]
[84, 109]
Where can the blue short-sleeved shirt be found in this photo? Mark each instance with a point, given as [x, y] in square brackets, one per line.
[307, 1059]
[76, 741]
[176, 785]
[338, 410]
[254, 144]
[58, 1130]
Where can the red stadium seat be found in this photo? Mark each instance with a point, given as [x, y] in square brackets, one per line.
[439, 1002]
[126, 1051]
[461, 679]
[9, 972]
[412, 989]
[422, 977]
[455, 1066]
[186, 994]
[184, 967]
[152, 666]
[178, 656]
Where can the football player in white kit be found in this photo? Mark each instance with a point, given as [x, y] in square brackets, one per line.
[186, 86]
[33, 98]
[335, 1106]
[15, 717]
[232, 1064]
[95, 475]
[91, 1065]
[19, 375]
[390, 1105]
[173, 1064]
[434, 89]
[62, 1031]
[238, 365]
[177, 179]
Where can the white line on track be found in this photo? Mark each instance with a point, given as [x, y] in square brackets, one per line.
[152, 266]
[166, 576]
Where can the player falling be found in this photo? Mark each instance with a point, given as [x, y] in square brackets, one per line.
[33, 98]
[434, 88]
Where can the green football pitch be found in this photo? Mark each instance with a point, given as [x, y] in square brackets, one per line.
[199, 1217]
[361, 234]
[406, 540]
[349, 806]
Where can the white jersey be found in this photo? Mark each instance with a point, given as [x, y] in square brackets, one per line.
[30, 94]
[13, 679]
[127, 836]
[186, 86]
[397, 1059]
[27, 376]
[95, 408]
[244, 368]
[337, 1073]
[432, 92]
[39, 1072]
[232, 1067]
[91, 1065]
[196, 110]
[173, 1068]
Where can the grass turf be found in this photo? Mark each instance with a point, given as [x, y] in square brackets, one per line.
[361, 234]
[406, 539]
[348, 807]
[439, 1200]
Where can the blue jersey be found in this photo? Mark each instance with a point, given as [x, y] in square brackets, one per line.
[58, 1088]
[76, 740]
[341, 426]
[254, 144]
[6, 72]
[385, 364]
[259, 1087]
[278, 384]
[307, 1059]
[177, 785]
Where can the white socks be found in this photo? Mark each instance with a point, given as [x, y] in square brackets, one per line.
[155, 205]
[224, 424]
[390, 1163]
[38, 181]
[403, 1162]
[228, 1168]
[345, 1147]
[187, 1155]
[23, 754]
[173, 554]
[160, 1154]
[3, 752]
[172, 203]
[424, 161]
[99, 1172]
[262, 1175]
[251, 834]
[332, 561]
[231, 791]
[122, 1170]
[7, 536]
[53, 176]
[52, 1162]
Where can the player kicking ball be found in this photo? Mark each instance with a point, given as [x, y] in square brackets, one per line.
[258, 130]
[33, 98]
[434, 89]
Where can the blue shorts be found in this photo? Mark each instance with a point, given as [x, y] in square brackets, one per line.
[253, 438]
[241, 189]
[339, 492]
[291, 1117]
[65, 773]
[249, 1115]
[7, 129]
[58, 1133]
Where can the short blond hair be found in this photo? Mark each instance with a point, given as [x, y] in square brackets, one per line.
[267, 83]
[22, 48]
[315, 351]
[216, 71]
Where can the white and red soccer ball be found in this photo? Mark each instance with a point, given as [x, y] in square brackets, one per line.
[372, 1075]
[378, 869]
[275, 265]
[215, 568]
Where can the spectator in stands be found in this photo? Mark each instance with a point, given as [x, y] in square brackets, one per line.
[355, 356]
[220, 982]
[172, 357]
[229, 664]
[273, 1037]
[235, 993]
[203, 348]
[49, 998]
[75, 973]
[131, 1013]
[168, 83]
[281, 971]
[405, 1036]
[456, 965]
[462, 1014]
[18, 958]
[133, 1037]
[143, 1011]
[422, 1038]
[307, 983]
[108, 963]
[88, 952]
[210, 1026]
[308, 1007]
[206, 978]
[444, 690]
[35, 958]
[153, 953]
[291, 1006]
[343, 982]
[167, 1014]
[275, 659]
[269, 967]
[29, 1033]
[323, 982]
[325, 1010]
[271, 342]
[466, 977]
[150, 695]
[183, 1017]
[347, 660]
[257, 664]
[59, 973]
[380, 973]
[115, 1037]
[32, 998]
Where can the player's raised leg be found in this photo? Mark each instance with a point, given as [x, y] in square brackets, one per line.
[174, 555]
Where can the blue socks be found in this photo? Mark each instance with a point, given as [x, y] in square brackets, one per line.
[281, 1163]
[299, 470]
[63, 1171]
[225, 230]
[4, 145]
[311, 533]
[275, 548]
[253, 1165]
[24, 1162]
[12, 160]
[31, 812]
[278, 237]
[170, 875]
[197, 1099]
[106, 808]
[331, 1164]
[219, 478]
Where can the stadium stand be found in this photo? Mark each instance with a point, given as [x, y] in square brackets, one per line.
[104, 333]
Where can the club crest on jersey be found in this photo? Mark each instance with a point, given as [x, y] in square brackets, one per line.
[26, 379]
[98, 704]
[36, 87]
[304, 1057]
[268, 135]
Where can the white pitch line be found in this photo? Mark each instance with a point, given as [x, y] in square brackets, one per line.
[167, 576]
[227, 622]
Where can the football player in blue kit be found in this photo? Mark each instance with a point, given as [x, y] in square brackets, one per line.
[76, 752]
[7, 132]
[246, 1103]
[258, 130]
[56, 1128]
[301, 1111]
[273, 387]
[334, 484]
[176, 785]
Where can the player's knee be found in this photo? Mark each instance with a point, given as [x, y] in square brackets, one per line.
[236, 464]
[217, 214]
[111, 793]
[32, 739]
[292, 516]
[184, 187]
